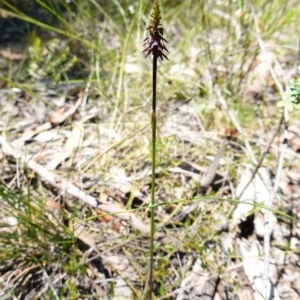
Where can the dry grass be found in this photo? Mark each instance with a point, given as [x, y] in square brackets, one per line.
[56, 246]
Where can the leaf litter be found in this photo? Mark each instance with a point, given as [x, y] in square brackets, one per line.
[96, 188]
[59, 145]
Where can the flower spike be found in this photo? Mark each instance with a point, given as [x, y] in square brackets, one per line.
[155, 42]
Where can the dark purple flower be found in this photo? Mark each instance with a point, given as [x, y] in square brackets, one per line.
[155, 43]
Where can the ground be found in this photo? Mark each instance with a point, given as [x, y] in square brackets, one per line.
[75, 100]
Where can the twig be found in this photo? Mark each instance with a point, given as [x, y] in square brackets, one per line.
[71, 189]
[210, 173]
[262, 157]
[275, 187]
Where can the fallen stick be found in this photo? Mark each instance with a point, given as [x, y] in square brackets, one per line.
[66, 186]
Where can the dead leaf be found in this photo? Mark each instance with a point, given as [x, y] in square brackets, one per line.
[116, 225]
[60, 116]
[82, 234]
[256, 191]
[47, 136]
[210, 173]
[254, 268]
[231, 133]
[12, 56]
[103, 216]
[119, 180]
[69, 188]
[57, 117]
[19, 142]
[73, 142]
[125, 270]
[51, 204]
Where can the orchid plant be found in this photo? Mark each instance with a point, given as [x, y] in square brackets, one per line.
[154, 45]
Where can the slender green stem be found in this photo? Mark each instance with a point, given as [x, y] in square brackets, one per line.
[153, 123]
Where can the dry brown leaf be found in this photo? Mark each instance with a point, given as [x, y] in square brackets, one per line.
[103, 216]
[82, 234]
[231, 133]
[57, 117]
[10, 55]
[116, 225]
[51, 204]
[60, 116]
